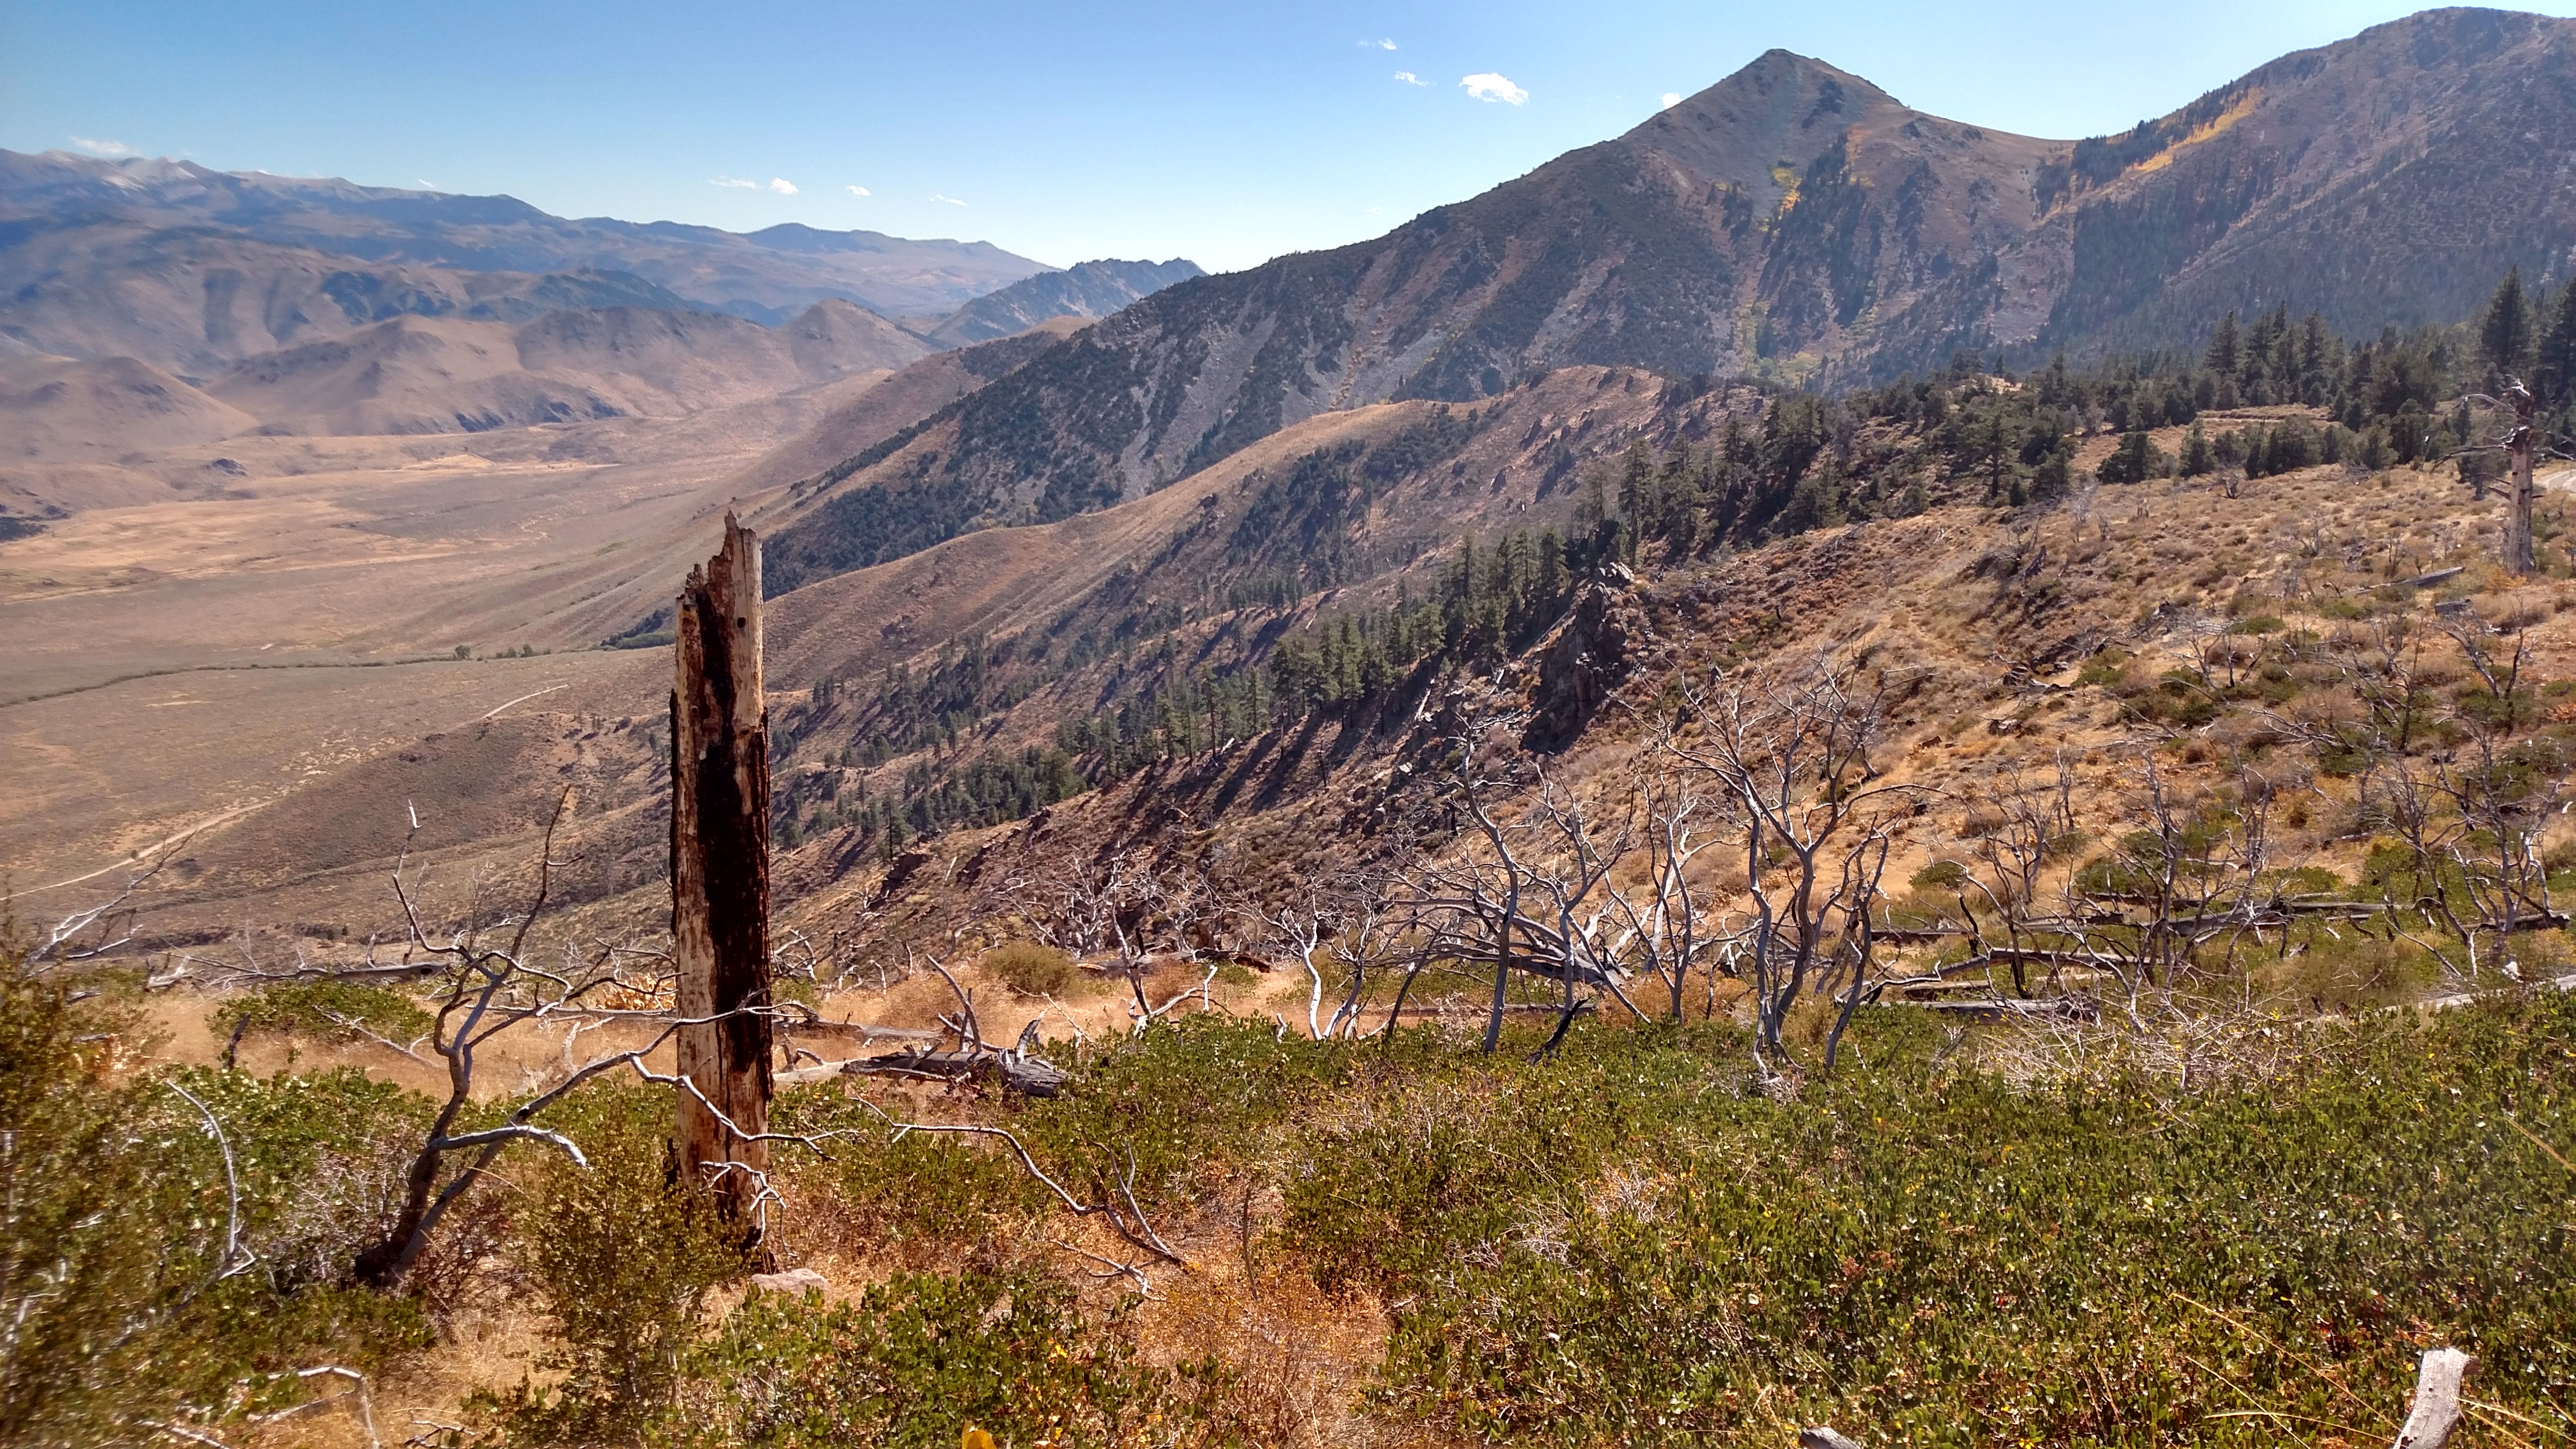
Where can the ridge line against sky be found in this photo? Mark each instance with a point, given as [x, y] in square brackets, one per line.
[1141, 130]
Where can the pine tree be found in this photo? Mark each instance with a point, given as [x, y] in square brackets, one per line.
[2553, 370]
[2196, 458]
[2133, 462]
[2223, 347]
[2504, 336]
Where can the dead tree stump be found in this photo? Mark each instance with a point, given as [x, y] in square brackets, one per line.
[720, 873]
[2517, 519]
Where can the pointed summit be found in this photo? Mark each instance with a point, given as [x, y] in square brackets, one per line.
[1782, 110]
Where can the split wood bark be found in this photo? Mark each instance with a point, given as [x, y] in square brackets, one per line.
[2437, 1399]
[720, 871]
[2517, 522]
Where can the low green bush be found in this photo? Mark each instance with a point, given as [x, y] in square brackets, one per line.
[1169, 1116]
[1032, 968]
[920, 1358]
[322, 1010]
[159, 1268]
[621, 1254]
[1618, 1247]
[926, 1198]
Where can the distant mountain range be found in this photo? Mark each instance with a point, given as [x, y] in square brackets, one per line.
[323, 306]
[767, 276]
[1796, 223]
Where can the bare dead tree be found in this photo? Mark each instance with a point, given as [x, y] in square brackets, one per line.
[1303, 928]
[63, 942]
[1016, 1067]
[484, 986]
[2194, 873]
[2521, 440]
[1522, 893]
[1366, 939]
[1663, 935]
[1791, 763]
[2471, 810]
[2014, 845]
[1114, 907]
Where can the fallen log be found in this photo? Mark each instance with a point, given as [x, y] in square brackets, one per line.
[861, 1030]
[2055, 1008]
[1025, 1075]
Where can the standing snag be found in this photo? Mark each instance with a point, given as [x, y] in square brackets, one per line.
[720, 872]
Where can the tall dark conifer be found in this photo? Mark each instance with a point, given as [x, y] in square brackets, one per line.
[2553, 368]
[2223, 345]
[2504, 335]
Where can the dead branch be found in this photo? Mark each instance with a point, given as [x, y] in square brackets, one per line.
[2437, 1399]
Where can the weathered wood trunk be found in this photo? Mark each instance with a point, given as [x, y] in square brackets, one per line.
[2517, 520]
[720, 870]
[2437, 1399]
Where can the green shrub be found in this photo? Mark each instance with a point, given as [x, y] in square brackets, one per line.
[929, 1197]
[1184, 1108]
[921, 1357]
[323, 1010]
[1169, 1115]
[1032, 968]
[621, 1256]
[1614, 1247]
[141, 1278]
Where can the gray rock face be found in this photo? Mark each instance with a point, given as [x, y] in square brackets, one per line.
[1087, 289]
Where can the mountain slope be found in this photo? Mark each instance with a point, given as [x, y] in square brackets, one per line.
[412, 375]
[768, 275]
[1655, 249]
[196, 300]
[2389, 178]
[61, 409]
[908, 397]
[1086, 289]
[1796, 222]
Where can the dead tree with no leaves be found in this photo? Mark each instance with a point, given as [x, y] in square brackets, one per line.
[1115, 908]
[720, 870]
[1790, 762]
[1524, 894]
[483, 989]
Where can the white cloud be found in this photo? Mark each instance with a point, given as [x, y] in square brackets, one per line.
[734, 181]
[102, 148]
[1409, 78]
[1487, 86]
[1377, 45]
[428, 185]
[952, 201]
[782, 186]
[1672, 99]
[858, 191]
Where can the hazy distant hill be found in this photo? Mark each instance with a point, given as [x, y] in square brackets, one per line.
[768, 275]
[443, 375]
[1086, 289]
[57, 408]
[1796, 222]
[196, 300]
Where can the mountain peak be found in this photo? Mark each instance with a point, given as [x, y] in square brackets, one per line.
[1782, 110]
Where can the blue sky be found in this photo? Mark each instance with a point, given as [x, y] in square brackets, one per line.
[1224, 133]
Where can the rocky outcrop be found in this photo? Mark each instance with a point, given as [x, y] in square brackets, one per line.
[1590, 654]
